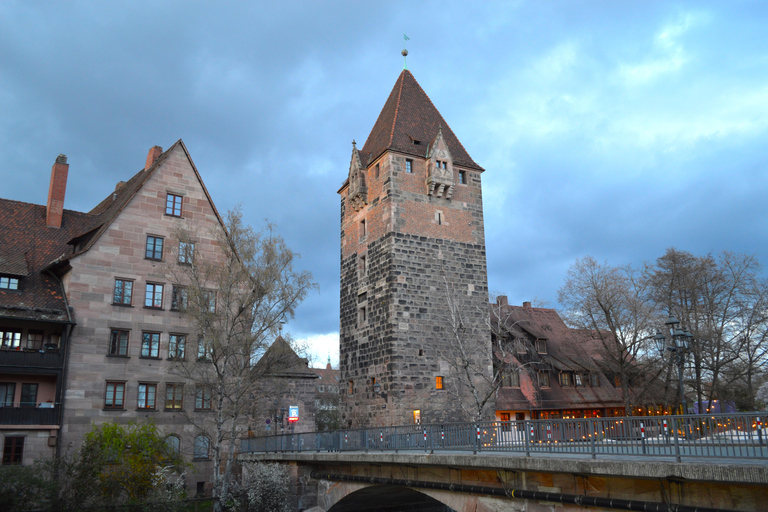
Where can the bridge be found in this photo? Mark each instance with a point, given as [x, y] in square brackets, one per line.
[681, 463]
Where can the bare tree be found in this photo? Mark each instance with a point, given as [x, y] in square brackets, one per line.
[615, 304]
[236, 297]
[715, 299]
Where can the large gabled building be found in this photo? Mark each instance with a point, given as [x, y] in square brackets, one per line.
[90, 320]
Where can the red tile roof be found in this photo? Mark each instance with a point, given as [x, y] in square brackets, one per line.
[27, 246]
[409, 116]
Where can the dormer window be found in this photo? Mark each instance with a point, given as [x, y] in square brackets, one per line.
[541, 346]
[9, 283]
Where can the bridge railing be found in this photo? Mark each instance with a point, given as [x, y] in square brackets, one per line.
[690, 436]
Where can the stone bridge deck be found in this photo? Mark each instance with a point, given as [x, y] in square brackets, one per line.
[714, 484]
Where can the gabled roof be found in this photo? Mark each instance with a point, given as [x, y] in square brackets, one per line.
[280, 360]
[30, 249]
[409, 124]
[109, 208]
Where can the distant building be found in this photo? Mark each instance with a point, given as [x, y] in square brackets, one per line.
[285, 398]
[412, 233]
[552, 371]
[327, 398]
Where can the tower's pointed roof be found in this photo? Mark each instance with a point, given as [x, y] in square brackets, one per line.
[409, 123]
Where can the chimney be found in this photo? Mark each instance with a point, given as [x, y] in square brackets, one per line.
[526, 304]
[501, 300]
[154, 154]
[55, 207]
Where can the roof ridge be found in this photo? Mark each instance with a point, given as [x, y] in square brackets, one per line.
[401, 79]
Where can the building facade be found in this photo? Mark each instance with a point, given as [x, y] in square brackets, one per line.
[412, 249]
[96, 323]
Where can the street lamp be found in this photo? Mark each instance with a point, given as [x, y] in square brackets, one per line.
[681, 345]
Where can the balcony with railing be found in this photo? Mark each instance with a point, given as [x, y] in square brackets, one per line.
[44, 414]
[43, 358]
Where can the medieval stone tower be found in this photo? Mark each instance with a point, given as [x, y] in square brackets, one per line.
[412, 244]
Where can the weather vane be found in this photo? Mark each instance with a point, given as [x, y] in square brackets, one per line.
[405, 52]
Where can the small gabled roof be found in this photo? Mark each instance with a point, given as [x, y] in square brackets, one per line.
[409, 123]
[280, 360]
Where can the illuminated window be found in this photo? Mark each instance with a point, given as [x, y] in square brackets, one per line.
[11, 338]
[351, 387]
[174, 396]
[147, 394]
[417, 416]
[438, 382]
[173, 205]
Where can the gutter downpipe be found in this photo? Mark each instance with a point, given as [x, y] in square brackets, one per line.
[552, 497]
[66, 339]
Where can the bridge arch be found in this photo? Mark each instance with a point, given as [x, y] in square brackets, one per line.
[388, 498]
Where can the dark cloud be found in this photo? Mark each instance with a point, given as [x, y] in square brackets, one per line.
[616, 130]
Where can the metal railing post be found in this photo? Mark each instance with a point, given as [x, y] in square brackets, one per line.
[675, 428]
[593, 436]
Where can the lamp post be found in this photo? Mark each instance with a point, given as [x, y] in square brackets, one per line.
[681, 344]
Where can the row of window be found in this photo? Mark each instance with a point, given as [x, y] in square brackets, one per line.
[28, 394]
[147, 398]
[11, 339]
[153, 250]
[150, 345]
[511, 378]
[440, 164]
[154, 296]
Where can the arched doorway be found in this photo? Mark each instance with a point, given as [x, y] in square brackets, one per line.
[388, 498]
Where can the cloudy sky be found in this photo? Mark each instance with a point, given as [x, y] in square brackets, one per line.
[610, 129]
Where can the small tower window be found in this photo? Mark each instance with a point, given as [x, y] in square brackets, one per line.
[362, 230]
[377, 171]
[463, 177]
[409, 165]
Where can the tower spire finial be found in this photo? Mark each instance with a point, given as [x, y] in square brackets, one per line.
[405, 52]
